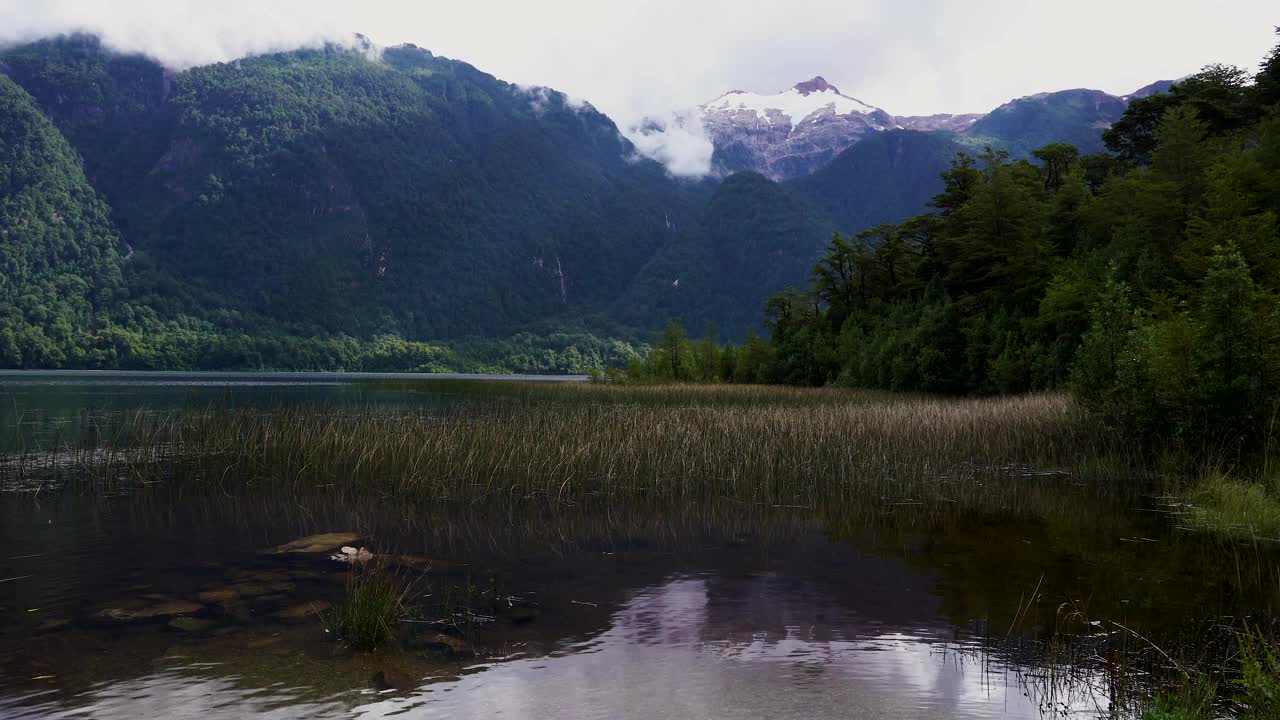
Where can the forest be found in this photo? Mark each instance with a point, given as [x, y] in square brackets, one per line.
[1144, 279]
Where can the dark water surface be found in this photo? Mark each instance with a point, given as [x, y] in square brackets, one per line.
[594, 613]
[39, 405]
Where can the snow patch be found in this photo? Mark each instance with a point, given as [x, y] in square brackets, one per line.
[794, 105]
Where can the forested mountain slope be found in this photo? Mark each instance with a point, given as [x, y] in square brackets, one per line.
[337, 208]
[1078, 117]
[331, 192]
[59, 255]
[754, 238]
[885, 178]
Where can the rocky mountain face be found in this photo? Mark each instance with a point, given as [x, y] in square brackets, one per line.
[795, 133]
[791, 133]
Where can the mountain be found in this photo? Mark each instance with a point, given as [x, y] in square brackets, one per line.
[790, 133]
[794, 133]
[885, 178]
[753, 239]
[59, 254]
[933, 123]
[339, 207]
[757, 237]
[1155, 88]
[328, 192]
[1078, 117]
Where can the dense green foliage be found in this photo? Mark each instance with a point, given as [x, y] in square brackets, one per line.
[326, 194]
[887, 177]
[59, 255]
[754, 238]
[1146, 282]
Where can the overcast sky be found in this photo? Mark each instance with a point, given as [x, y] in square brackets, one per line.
[638, 57]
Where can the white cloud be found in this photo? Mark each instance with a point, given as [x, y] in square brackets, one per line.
[675, 139]
[643, 59]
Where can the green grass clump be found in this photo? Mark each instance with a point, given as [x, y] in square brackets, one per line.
[366, 617]
[1196, 702]
[1260, 677]
[1204, 694]
[1238, 508]
[1197, 699]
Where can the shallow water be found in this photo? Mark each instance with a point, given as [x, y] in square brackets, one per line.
[697, 624]
[39, 406]
[595, 613]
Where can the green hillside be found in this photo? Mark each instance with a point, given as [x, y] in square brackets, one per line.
[1078, 117]
[888, 177]
[754, 238]
[59, 255]
[329, 192]
[341, 208]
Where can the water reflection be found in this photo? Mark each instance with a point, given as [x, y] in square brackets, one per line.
[184, 692]
[676, 613]
[670, 654]
[786, 625]
[667, 654]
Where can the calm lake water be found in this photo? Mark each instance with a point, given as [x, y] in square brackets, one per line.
[167, 604]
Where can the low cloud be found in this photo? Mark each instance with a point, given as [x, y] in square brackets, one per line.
[542, 99]
[677, 140]
[179, 33]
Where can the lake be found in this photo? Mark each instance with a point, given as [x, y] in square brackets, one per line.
[167, 597]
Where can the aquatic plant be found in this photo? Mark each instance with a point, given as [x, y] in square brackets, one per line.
[770, 446]
[1259, 683]
[366, 616]
[1237, 507]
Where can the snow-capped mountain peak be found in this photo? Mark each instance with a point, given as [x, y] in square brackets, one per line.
[789, 133]
[794, 105]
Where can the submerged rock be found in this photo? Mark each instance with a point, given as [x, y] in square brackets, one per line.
[239, 613]
[52, 625]
[304, 610]
[164, 608]
[194, 626]
[322, 543]
[265, 576]
[449, 645]
[385, 680]
[224, 596]
[249, 590]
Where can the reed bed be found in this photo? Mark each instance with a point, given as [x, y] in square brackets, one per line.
[773, 446]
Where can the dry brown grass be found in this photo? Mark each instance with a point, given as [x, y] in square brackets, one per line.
[763, 445]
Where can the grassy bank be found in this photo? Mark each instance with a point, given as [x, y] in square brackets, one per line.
[763, 445]
[1237, 507]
